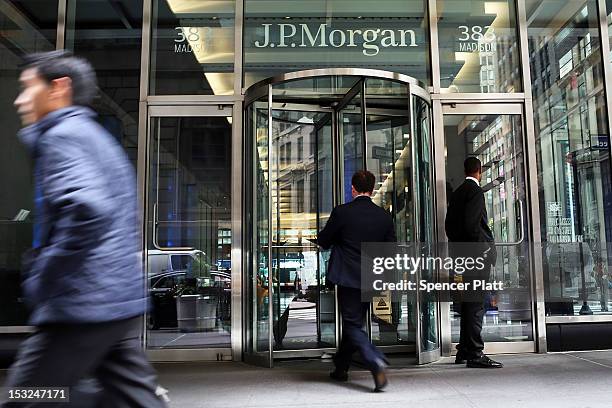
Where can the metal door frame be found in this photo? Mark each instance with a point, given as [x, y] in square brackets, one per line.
[466, 107]
[202, 353]
[265, 88]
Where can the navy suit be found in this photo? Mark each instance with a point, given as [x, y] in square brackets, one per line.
[349, 226]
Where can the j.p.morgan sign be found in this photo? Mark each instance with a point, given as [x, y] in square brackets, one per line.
[371, 40]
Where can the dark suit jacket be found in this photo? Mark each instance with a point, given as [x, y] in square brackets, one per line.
[350, 225]
[466, 220]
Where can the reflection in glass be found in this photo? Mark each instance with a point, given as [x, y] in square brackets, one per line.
[478, 46]
[192, 47]
[389, 157]
[301, 180]
[189, 269]
[305, 181]
[108, 34]
[424, 219]
[257, 224]
[572, 147]
[25, 26]
[497, 141]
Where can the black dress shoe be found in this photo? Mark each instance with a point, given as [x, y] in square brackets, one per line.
[339, 375]
[483, 362]
[459, 359]
[380, 380]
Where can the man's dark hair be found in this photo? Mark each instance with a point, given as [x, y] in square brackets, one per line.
[52, 65]
[471, 165]
[363, 181]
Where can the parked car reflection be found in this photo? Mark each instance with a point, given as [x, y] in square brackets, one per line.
[177, 279]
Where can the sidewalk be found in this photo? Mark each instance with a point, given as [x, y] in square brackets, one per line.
[569, 380]
[563, 380]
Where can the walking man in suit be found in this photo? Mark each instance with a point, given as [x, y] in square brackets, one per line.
[350, 225]
[466, 221]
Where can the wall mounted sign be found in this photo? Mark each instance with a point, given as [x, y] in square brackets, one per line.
[301, 35]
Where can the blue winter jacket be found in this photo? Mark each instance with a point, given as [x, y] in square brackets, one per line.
[86, 264]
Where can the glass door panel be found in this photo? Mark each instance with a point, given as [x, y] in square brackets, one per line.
[299, 138]
[351, 139]
[389, 158]
[325, 199]
[428, 339]
[188, 265]
[258, 348]
[496, 138]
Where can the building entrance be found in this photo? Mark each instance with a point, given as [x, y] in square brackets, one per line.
[305, 135]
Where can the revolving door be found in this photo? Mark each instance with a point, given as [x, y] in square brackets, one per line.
[306, 133]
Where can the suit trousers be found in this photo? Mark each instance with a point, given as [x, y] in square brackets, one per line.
[354, 337]
[471, 343]
[111, 352]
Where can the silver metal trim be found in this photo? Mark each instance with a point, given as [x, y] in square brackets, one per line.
[145, 54]
[522, 230]
[501, 347]
[578, 319]
[270, 224]
[209, 110]
[156, 225]
[480, 108]
[434, 46]
[300, 107]
[426, 357]
[181, 355]
[238, 46]
[531, 173]
[17, 329]
[60, 35]
[518, 96]
[308, 353]
[142, 162]
[348, 97]
[441, 199]
[363, 72]
[237, 236]
[192, 99]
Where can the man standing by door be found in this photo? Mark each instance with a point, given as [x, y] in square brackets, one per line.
[466, 222]
[83, 279]
[350, 225]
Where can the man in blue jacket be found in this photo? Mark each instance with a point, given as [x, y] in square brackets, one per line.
[83, 279]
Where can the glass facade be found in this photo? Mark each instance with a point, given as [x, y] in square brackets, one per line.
[573, 159]
[25, 27]
[224, 176]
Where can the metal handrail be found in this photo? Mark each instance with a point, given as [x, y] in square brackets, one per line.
[522, 230]
[155, 243]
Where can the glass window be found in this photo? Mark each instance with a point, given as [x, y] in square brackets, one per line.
[25, 27]
[108, 34]
[478, 46]
[190, 228]
[572, 147]
[291, 35]
[192, 47]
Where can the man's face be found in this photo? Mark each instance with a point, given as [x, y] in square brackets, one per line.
[34, 100]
